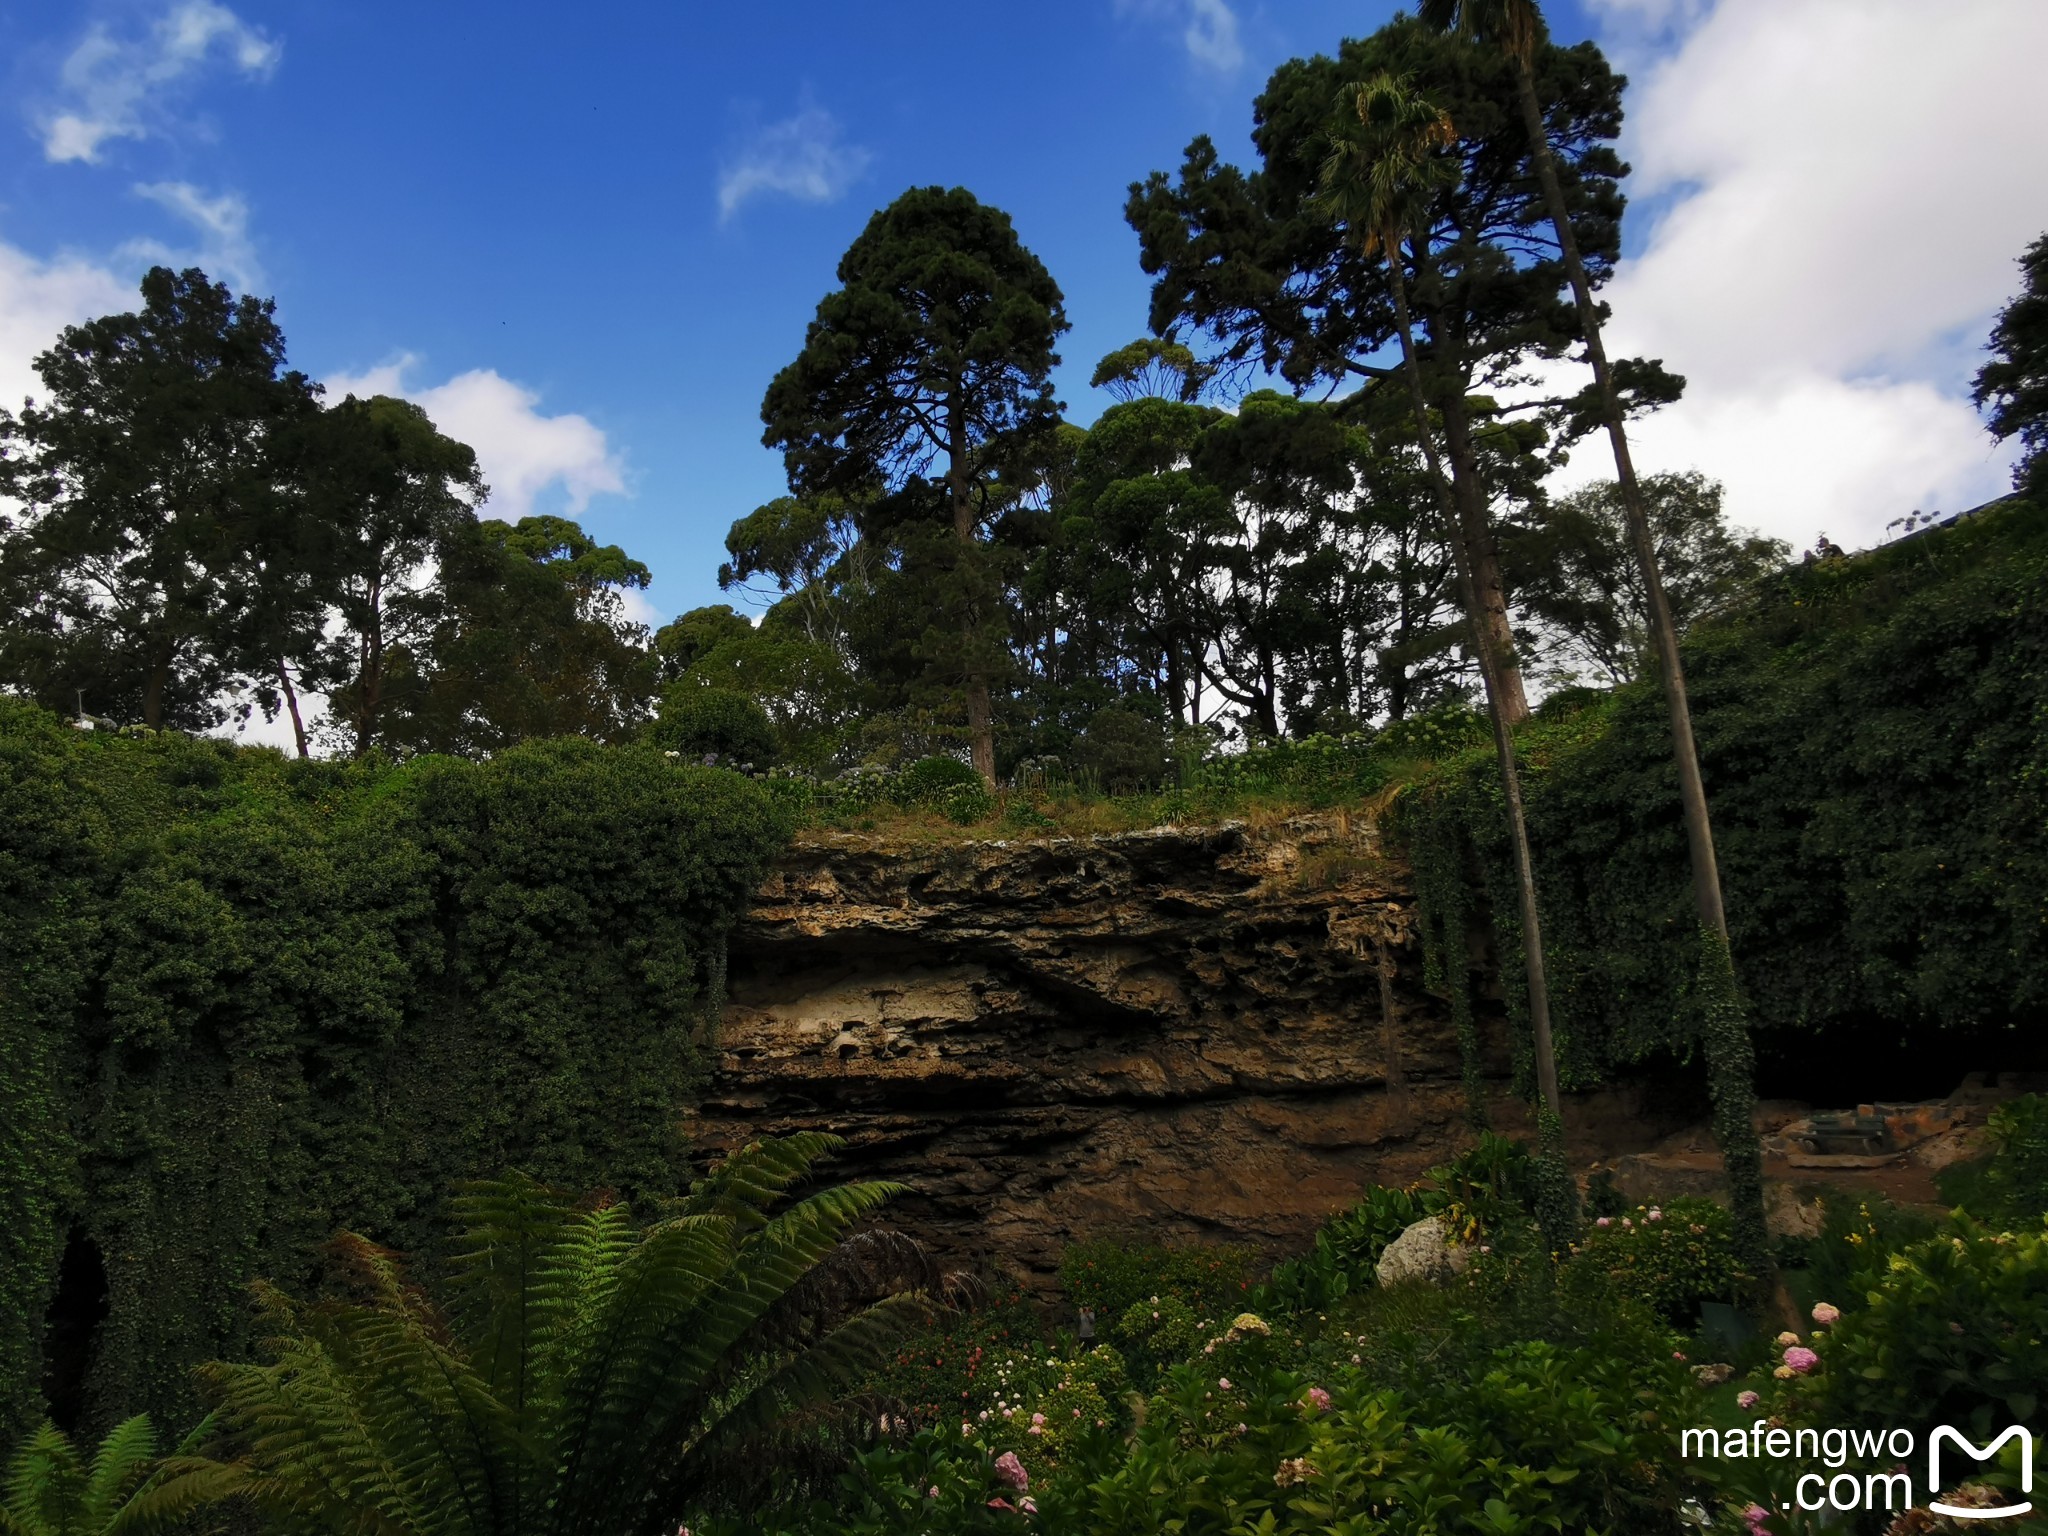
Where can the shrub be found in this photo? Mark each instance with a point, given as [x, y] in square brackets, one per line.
[942, 1371]
[1854, 1245]
[696, 722]
[1954, 1331]
[1109, 1276]
[1048, 1409]
[1347, 1247]
[927, 781]
[1671, 1258]
[1537, 1439]
[2016, 1175]
[1124, 750]
[610, 1374]
[966, 804]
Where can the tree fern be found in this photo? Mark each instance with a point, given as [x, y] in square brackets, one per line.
[124, 1491]
[584, 1376]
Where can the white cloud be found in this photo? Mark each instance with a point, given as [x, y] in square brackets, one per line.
[225, 250]
[1849, 186]
[118, 89]
[37, 300]
[1209, 30]
[800, 157]
[523, 453]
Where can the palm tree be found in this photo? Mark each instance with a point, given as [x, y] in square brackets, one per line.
[124, 1491]
[587, 1376]
[1382, 167]
[1516, 29]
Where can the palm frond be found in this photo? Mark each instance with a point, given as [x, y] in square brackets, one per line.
[1513, 26]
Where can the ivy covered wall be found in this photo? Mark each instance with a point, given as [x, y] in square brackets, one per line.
[1874, 736]
[250, 1000]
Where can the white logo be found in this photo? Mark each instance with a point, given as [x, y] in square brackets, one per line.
[1954, 1512]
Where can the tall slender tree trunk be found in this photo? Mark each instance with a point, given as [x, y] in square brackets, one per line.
[1729, 1059]
[291, 704]
[1490, 670]
[157, 686]
[981, 734]
[370, 673]
[1469, 497]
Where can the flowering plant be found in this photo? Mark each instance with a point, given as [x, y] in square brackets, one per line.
[1671, 1257]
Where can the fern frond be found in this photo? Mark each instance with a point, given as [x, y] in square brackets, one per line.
[178, 1487]
[512, 1231]
[118, 1467]
[45, 1483]
[641, 1363]
[830, 1365]
[751, 1180]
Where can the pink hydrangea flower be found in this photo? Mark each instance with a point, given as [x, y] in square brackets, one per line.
[1825, 1314]
[1604, 1221]
[1655, 1214]
[1223, 1382]
[1038, 1418]
[1745, 1399]
[1319, 1400]
[1011, 1471]
[1801, 1359]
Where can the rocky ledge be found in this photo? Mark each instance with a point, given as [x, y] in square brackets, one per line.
[1199, 1033]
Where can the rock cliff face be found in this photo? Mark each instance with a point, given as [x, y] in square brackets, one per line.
[1190, 1033]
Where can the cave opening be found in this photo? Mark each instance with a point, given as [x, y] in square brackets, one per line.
[70, 1325]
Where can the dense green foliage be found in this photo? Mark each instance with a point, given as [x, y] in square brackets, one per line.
[2014, 384]
[1875, 736]
[585, 1372]
[252, 1000]
[122, 1489]
[193, 538]
[719, 725]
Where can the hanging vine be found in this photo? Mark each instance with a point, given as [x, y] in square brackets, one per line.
[257, 1000]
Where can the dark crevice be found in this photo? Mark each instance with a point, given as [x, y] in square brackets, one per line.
[69, 1328]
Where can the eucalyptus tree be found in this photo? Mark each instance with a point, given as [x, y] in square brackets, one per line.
[1387, 158]
[1575, 572]
[1516, 31]
[1141, 539]
[533, 640]
[145, 482]
[1286, 470]
[2014, 384]
[935, 352]
[384, 497]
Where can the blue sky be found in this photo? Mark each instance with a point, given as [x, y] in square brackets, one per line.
[587, 237]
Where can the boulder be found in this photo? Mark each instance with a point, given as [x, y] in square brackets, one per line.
[1424, 1251]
